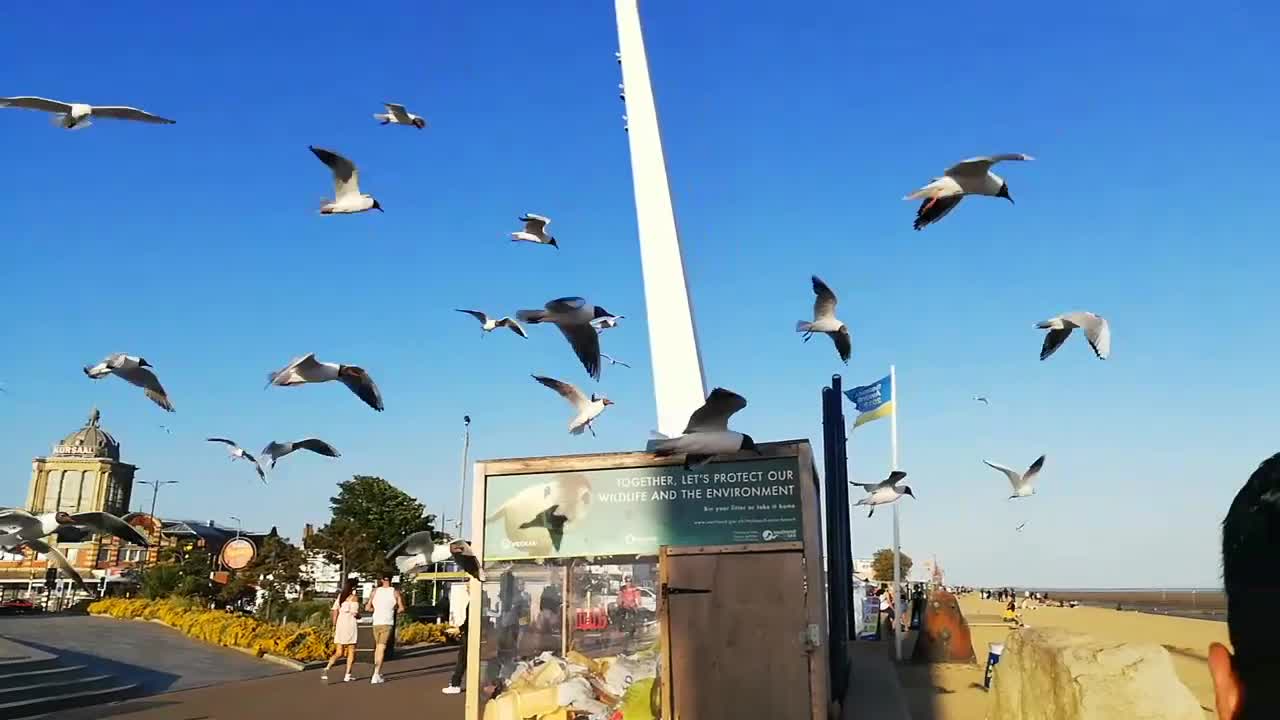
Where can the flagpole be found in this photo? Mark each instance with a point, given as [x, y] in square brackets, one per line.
[897, 553]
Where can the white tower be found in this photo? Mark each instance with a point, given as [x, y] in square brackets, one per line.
[678, 382]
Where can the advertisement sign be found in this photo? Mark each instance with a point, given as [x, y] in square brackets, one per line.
[629, 511]
[238, 553]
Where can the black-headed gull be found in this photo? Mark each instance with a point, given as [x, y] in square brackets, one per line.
[76, 116]
[607, 322]
[135, 371]
[573, 315]
[397, 115]
[707, 434]
[488, 324]
[307, 369]
[276, 450]
[19, 526]
[1022, 483]
[588, 408]
[825, 320]
[967, 177]
[420, 548]
[1096, 329]
[347, 197]
[239, 453]
[885, 492]
[535, 231]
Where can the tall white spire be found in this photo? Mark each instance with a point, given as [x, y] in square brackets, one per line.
[678, 382]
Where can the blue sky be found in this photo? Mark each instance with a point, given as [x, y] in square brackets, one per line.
[792, 133]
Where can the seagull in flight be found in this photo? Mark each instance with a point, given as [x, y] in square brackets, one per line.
[967, 177]
[607, 322]
[166, 429]
[397, 115]
[420, 548]
[825, 321]
[1096, 330]
[135, 371]
[77, 116]
[240, 453]
[488, 324]
[19, 528]
[535, 231]
[276, 450]
[1022, 483]
[346, 186]
[982, 399]
[885, 492]
[613, 361]
[588, 409]
[707, 434]
[1019, 528]
[307, 369]
[573, 315]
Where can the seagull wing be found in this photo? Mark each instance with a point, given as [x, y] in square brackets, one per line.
[824, 306]
[256, 466]
[413, 544]
[276, 450]
[894, 478]
[318, 446]
[108, 524]
[15, 520]
[51, 552]
[401, 115]
[614, 360]
[980, 165]
[465, 557]
[1096, 329]
[224, 441]
[1053, 340]
[586, 344]
[477, 315]
[36, 103]
[844, 344]
[1033, 471]
[566, 390]
[147, 380]
[566, 305]
[534, 224]
[360, 383]
[934, 209]
[122, 112]
[1014, 478]
[299, 364]
[714, 414]
[516, 327]
[346, 179]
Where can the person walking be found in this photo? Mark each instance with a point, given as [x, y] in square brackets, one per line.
[460, 665]
[346, 609]
[383, 602]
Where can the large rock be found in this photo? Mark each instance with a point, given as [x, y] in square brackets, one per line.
[944, 633]
[1052, 674]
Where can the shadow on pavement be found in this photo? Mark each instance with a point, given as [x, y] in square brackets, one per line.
[149, 681]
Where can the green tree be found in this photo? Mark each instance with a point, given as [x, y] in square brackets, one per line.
[343, 542]
[882, 565]
[370, 516]
[276, 570]
[183, 571]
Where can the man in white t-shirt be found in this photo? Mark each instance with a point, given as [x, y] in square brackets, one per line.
[384, 601]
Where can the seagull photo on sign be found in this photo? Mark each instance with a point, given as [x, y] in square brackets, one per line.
[397, 115]
[1096, 330]
[885, 492]
[347, 197]
[77, 116]
[488, 324]
[573, 315]
[239, 453]
[307, 369]
[536, 519]
[1022, 483]
[967, 177]
[825, 321]
[276, 450]
[420, 549]
[707, 434]
[135, 371]
[588, 409]
[535, 231]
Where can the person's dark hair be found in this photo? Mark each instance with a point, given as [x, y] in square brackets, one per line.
[1251, 576]
[347, 589]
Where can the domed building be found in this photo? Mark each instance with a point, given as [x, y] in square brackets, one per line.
[84, 473]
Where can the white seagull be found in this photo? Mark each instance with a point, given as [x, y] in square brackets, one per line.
[613, 361]
[488, 324]
[588, 408]
[1096, 329]
[535, 231]
[346, 186]
[397, 115]
[967, 177]
[1021, 483]
[276, 450]
[135, 371]
[307, 369]
[573, 315]
[825, 321]
[77, 116]
[420, 549]
[885, 492]
[607, 322]
[707, 434]
[18, 529]
[238, 452]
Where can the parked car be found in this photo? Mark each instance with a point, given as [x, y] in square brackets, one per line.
[18, 606]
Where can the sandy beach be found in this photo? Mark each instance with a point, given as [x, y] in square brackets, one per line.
[954, 692]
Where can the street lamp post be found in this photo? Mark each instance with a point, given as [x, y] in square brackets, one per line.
[155, 492]
[238, 525]
[462, 486]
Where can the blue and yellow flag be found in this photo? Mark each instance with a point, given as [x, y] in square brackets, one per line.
[873, 401]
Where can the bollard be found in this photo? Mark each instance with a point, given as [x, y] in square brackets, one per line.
[994, 650]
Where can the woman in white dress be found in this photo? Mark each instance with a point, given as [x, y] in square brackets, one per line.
[346, 609]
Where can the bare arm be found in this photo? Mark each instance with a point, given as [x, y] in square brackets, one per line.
[399, 601]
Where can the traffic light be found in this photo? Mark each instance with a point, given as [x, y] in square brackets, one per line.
[50, 577]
